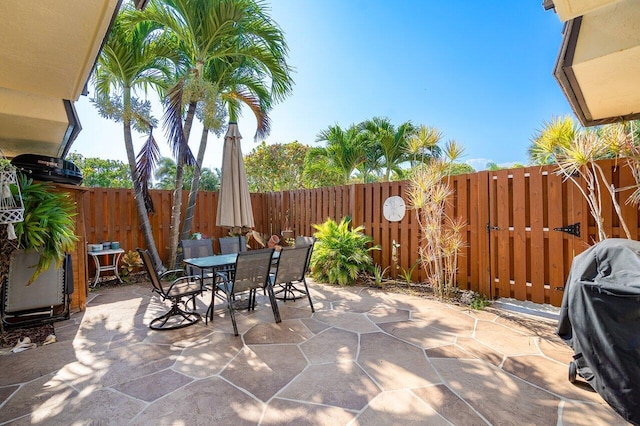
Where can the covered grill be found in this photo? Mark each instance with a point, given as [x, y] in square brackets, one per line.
[600, 320]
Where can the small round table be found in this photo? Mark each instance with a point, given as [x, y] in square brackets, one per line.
[113, 266]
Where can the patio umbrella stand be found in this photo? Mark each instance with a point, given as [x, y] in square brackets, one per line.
[234, 201]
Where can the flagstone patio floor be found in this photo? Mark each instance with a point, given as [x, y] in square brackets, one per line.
[366, 357]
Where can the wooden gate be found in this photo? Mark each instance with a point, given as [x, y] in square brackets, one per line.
[534, 228]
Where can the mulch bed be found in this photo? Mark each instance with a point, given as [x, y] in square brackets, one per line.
[112, 281]
[38, 334]
[9, 338]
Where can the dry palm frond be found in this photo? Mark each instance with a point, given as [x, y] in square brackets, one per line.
[145, 164]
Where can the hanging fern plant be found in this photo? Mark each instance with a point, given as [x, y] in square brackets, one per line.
[48, 225]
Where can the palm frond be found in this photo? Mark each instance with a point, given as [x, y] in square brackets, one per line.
[146, 162]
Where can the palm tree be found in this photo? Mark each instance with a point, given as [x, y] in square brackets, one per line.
[345, 150]
[552, 139]
[230, 33]
[392, 142]
[165, 175]
[135, 56]
[422, 146]
[256, 80]
[370, 170]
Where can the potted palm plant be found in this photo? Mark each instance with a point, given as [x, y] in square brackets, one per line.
[48, 226]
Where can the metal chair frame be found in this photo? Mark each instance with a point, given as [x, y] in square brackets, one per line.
[183, 287]
[230, 245]
[306, 241]
[291, 269]
[251, 272]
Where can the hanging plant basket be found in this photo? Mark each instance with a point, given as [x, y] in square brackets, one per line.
[11, 207]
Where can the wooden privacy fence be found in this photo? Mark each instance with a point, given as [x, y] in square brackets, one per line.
[512, 247]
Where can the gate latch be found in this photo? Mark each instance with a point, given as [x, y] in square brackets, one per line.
[573, 229]
[492, 228]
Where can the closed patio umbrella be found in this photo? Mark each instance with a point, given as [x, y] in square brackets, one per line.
[234, 202]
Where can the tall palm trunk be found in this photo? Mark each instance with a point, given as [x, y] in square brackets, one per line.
[195, 184]
[145, 224]
[176, 209]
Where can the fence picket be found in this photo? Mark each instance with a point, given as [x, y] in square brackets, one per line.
[525, 203]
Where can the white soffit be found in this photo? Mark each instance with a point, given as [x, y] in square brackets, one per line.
[607, 60]
[49, 47]
[31, 123]
[599, 63]
[569, 9]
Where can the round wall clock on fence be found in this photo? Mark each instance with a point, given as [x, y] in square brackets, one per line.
[394, 208]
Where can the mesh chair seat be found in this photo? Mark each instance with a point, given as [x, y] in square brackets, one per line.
[200, 248]
[181, 288]
[302, 241]
[251, 272]
[229, 245]
[291, 270]
[184, 287]
[194, 249]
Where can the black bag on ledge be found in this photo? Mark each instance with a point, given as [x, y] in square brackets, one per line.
[40, 167]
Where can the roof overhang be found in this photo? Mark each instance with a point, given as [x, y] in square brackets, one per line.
[36, 124]
[599, 61]
[47, 54]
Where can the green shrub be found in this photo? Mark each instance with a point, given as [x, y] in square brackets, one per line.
[341, 252]
[49, 224]
[378, 274]
[129, 261]
[480, 302]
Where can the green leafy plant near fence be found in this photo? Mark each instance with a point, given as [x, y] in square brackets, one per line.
[48, 225]
[341, 252]
[129, 262]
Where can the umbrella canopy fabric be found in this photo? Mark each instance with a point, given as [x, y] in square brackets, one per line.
[234, 201]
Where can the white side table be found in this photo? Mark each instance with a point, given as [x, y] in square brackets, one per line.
[113, 266]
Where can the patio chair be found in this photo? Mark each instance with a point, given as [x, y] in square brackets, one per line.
[183, 287]
[45, 300]
[292, 267]
[194, 249]
[199, 248]
[230, 245]
[251, 272]
[306, 241]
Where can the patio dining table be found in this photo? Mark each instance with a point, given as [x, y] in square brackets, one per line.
[218, 263]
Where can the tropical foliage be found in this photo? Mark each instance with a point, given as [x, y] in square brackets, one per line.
[341, 252]
[441, 235]
[136, 57]
[48, 226]
[275, 167]
[205, 59]
[575, 151]
[344, 150]
[98, 172]
[165, 176]
[129, 262]
[371, 151]
[390, 143]
[232, 54]
[460, 169]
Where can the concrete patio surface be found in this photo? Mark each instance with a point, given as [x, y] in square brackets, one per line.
[366, 357]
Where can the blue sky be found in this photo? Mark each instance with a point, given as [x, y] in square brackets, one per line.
[481, 72]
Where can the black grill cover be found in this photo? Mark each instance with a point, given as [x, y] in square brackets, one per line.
[600, 320]
[45, 168]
